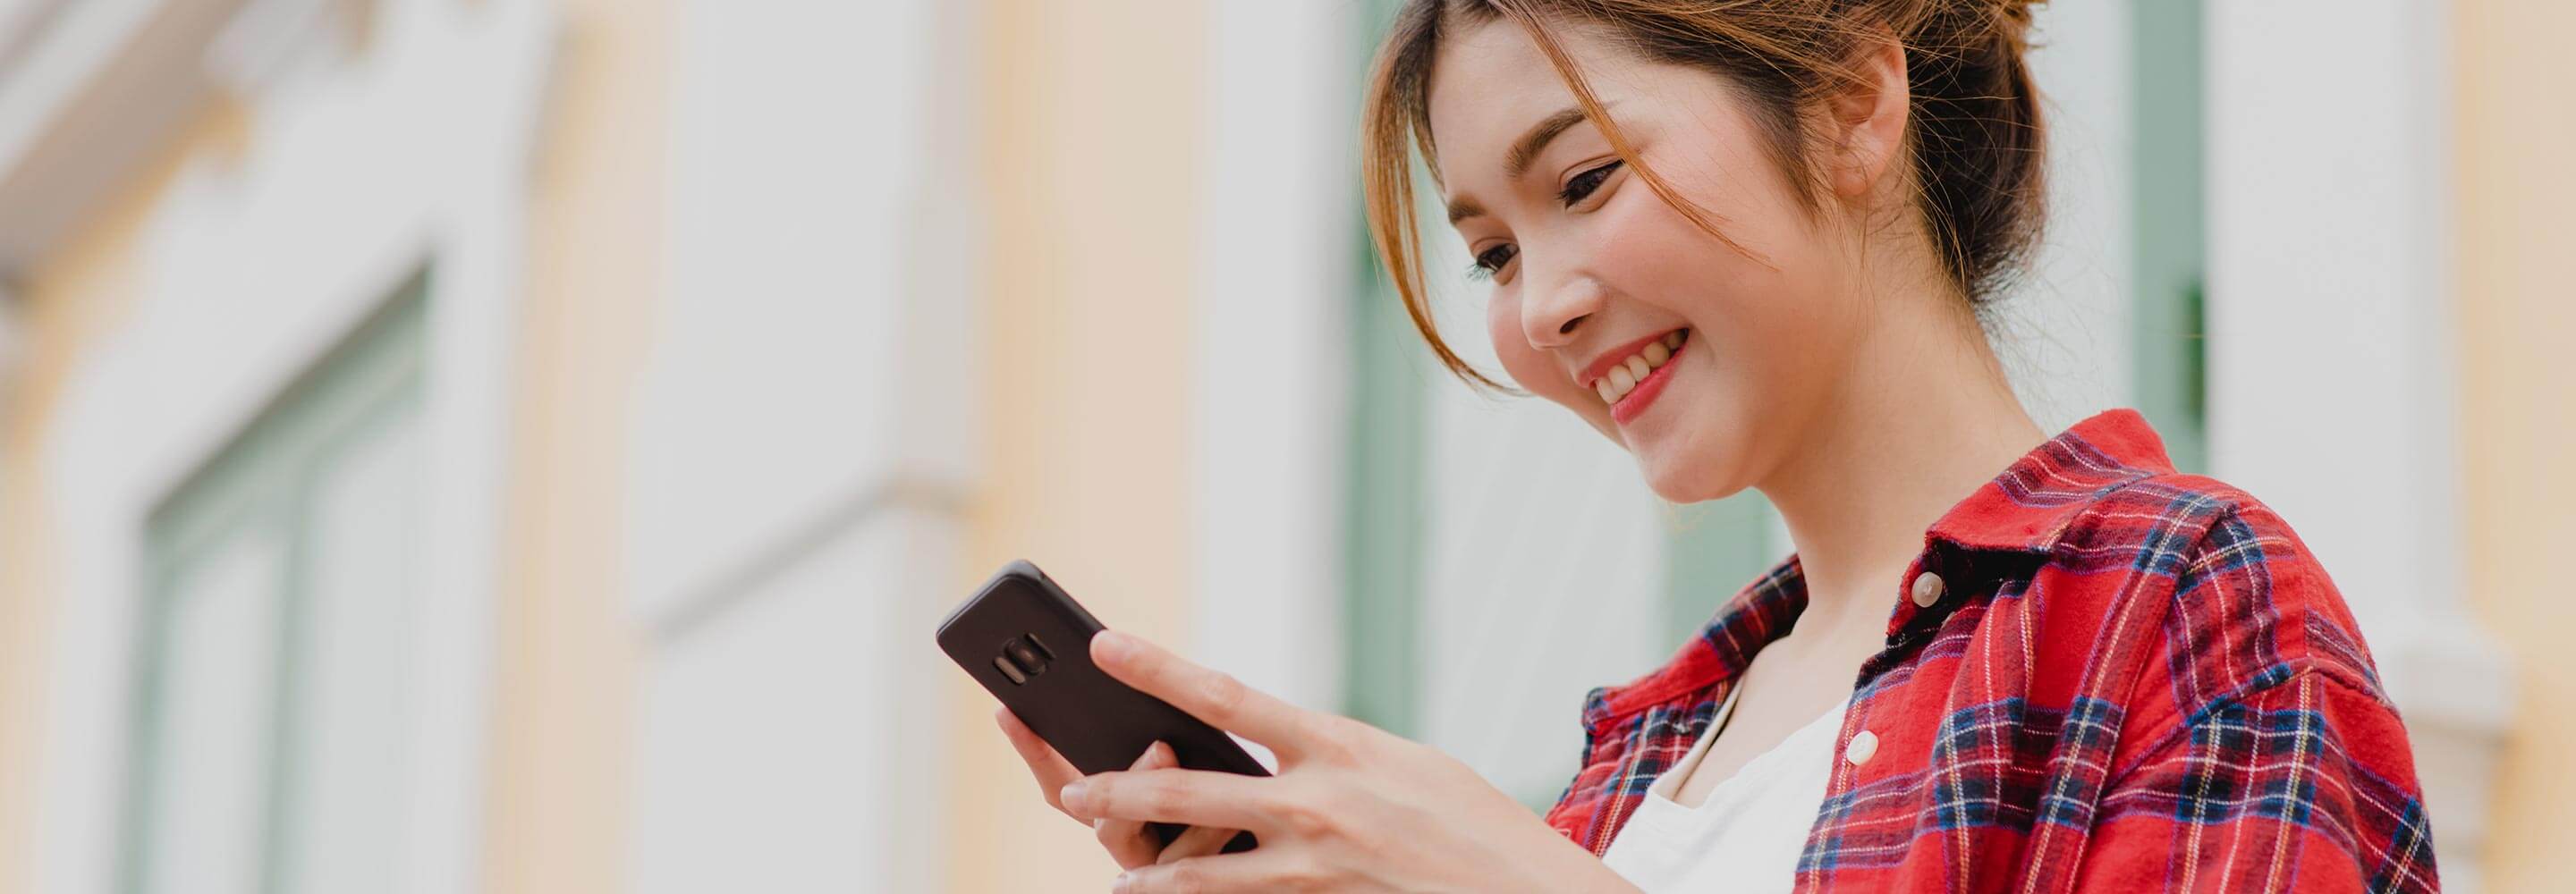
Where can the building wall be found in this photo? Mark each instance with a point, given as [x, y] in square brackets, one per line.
[76, 298]
[795, 445]
[2517, 409]
[558, 791]
[1129, 412]
[1090, 159]
[276, 225]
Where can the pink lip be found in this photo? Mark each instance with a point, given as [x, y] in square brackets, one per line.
[1634, 403]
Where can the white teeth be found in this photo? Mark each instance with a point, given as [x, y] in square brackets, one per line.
[1624, 377]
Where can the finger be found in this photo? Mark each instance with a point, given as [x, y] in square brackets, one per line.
[1197, 841]
[1051, 769]
[1220, 699]
[1127, 840]
[1188, 797]
[1259, 869]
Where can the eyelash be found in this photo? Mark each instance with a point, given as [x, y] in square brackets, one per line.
[1588, 181]
[1577, 189]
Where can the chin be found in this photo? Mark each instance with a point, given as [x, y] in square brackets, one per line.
[1682, 478]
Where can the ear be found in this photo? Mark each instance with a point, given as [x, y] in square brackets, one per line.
[1867, 118]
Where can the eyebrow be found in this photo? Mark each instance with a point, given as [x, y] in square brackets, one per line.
[1523, 152]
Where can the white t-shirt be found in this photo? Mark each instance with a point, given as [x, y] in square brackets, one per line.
[1747, 835]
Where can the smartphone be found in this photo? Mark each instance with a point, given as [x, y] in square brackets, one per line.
[1030, 645]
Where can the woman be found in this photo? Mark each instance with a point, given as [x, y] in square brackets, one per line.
[1749, 242]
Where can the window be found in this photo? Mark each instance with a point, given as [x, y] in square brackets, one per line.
[2171, 266]
[1383, 507]
[272, 703]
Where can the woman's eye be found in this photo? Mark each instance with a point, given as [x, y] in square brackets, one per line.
[1491, 260]
[1584, 183]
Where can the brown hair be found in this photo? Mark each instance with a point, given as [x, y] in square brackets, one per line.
[1974, 135]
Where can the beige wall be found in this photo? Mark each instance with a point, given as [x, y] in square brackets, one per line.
[1092, 129]
[76, 296]
[2517, 263]
[567, 655]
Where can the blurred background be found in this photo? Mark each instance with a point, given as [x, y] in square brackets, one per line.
[524, 445]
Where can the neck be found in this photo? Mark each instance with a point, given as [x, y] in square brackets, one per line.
[1924, 418]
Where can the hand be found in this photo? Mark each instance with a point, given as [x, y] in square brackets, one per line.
[1352, 808]
[1129, 842]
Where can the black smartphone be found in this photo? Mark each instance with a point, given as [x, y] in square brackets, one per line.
[1030, 645]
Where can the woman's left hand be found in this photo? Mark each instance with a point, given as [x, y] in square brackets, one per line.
[1352, 808]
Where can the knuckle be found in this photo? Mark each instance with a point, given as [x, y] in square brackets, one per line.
[1225, 694]
[1185, 877]
[1336, 737]
[1304, 817]
[1301, 875]
[1308, 874]
[1162, 801]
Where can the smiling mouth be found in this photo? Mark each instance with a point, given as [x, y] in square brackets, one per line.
[1638, 368]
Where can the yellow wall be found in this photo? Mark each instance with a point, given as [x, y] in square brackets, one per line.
[74, 297]
[2517, 261]
[567, 654]
[1091, 126]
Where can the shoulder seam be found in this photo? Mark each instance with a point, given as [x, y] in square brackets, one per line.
[2287, 672]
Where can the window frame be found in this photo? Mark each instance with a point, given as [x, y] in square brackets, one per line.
[265, 475]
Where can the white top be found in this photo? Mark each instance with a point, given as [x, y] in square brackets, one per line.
[1747, 836]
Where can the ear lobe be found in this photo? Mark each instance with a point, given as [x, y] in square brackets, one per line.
[1868, 117]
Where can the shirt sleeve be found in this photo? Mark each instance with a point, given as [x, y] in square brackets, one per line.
[2284, 766]
[2297, 786]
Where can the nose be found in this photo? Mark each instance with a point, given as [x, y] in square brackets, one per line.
[1554, 308]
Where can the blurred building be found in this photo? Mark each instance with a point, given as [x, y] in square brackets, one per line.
[524, 445]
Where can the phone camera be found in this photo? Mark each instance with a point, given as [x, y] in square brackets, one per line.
[1023, 657]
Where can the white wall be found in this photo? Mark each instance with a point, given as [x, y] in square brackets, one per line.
[2064, 332]
[781, 746]
[2329, 328]
[799, 439]
[1269, 390]
[351, 180]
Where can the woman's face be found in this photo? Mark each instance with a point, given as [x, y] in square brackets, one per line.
[1595, 277]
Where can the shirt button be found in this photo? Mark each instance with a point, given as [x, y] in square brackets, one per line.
[1927, 589]
[1863, 746]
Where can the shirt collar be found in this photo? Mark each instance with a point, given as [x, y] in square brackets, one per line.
[2024, 510]
[2029, 505]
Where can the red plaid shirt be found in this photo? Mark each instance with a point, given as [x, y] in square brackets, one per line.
[2130, 680]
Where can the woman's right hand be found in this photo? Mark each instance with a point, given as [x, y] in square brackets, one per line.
[1128, 841]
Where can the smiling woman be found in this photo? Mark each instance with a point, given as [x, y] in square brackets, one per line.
[1751, 243]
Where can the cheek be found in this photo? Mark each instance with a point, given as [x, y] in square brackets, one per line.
[1759, 306]
[1531, 368]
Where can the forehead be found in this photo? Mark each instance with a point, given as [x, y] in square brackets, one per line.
[1488, 81]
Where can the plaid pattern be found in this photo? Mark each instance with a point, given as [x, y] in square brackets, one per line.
[2135, 680]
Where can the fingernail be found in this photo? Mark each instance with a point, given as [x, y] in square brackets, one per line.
[1072, 794]
[1118, 885]
[1113, 643]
